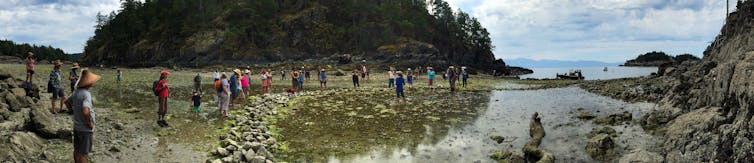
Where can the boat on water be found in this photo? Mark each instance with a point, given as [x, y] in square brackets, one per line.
[573, 75]
[605, 69]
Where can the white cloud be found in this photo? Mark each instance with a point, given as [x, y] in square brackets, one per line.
[605, 30]
[65, 24]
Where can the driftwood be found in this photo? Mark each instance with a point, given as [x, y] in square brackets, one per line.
[531, 149]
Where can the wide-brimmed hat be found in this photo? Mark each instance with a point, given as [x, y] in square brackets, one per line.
[30, 54]
[429, 68]
[57, 63]
[75, 66]
[400, 72]
[323, 70]
[87, 79]
[247, 71]
[164, 72]
[409, 69]
[237, 71]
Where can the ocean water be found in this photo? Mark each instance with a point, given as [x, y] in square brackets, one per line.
[593, 73]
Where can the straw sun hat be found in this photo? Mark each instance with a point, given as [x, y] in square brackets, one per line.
[57, 63]
[87, 79]
[75, 66]
[237, 71]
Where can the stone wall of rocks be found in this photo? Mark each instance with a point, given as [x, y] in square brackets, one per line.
[249, 138]
[26, 123]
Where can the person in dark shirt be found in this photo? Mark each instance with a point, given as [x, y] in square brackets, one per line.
[197, 100]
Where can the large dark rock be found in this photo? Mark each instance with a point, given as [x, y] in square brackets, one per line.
[14, 121]
[21, 146]
[49, 126]
[601, 147]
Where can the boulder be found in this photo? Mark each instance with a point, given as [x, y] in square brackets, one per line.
[601, 147]
[263, 152]
[49, 126]
[14, 120]
[21, 146]
[18, 91]
[13, 103]
[604, 130]
[222, 152]
[249, 155]
[641, 155]
[614, 119]
[257, 159]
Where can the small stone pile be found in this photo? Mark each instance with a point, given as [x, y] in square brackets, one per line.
[249, 138]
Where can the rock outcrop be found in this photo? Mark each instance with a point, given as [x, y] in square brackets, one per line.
[531, 149]
[707, 113]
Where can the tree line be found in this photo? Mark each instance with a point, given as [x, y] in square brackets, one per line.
[165, 29]
[48, 52]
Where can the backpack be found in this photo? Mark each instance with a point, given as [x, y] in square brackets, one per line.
[155, 90]
[50, 86]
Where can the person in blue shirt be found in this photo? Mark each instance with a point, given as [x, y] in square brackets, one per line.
[322, 79]
[430, 75]
[399, 82]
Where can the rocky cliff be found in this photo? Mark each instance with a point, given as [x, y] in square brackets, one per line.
[707, 113]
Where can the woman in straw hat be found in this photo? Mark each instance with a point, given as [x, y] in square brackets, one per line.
[80, 102]
[55, 86]
[322, 79]
[73, 76]
[235, 86]
[162, 98]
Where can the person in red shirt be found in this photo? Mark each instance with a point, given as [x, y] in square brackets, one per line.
[162, 88]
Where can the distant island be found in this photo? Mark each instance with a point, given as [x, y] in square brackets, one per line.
[656, 59]
[546, 63]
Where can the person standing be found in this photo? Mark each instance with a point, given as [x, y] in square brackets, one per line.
[162, 89]
[197, 101]
[355, 78]
[223, 92]
[245, 83]
[430, 76]
[235, 86]
[119, 76]
[391, 78]
[216, 76]
[282, 74]
[452, 78]
[73, 76]
[263, 76]
[294, 78]
[268, 74]
[301, 80]
[399, 82]
[464, 76]
[30, 62]
[55, 86]
[80, 102]
[410, 78]
[198, 83]
[322, 79]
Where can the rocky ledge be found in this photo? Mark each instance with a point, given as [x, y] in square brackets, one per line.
[26, 124]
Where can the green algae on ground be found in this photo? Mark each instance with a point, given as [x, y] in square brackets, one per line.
[352, 122]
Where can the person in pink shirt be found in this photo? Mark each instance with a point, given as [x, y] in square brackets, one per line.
[245, 83]
[269, 78]
[30, 62]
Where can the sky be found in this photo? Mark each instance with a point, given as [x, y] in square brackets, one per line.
[598, 30]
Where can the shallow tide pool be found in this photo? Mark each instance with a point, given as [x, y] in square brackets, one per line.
[457, 128]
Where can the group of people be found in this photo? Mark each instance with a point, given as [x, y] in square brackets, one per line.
[397, 81]
[79, 103]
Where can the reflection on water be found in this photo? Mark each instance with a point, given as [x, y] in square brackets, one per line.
[448, 136]
[593, 73]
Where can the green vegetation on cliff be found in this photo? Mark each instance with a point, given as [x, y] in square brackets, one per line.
[201, 32]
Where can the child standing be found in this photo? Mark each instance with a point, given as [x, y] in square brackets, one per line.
[119, 76]
[355, 78]
[197, 103]
[399, 82]
[410, 78]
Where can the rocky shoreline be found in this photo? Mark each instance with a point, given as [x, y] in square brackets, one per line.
[27, 127]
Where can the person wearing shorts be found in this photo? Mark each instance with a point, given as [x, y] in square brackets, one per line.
[80, 102]
[30, 62]
[56, 86]
[322, 79]
[197, 100]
